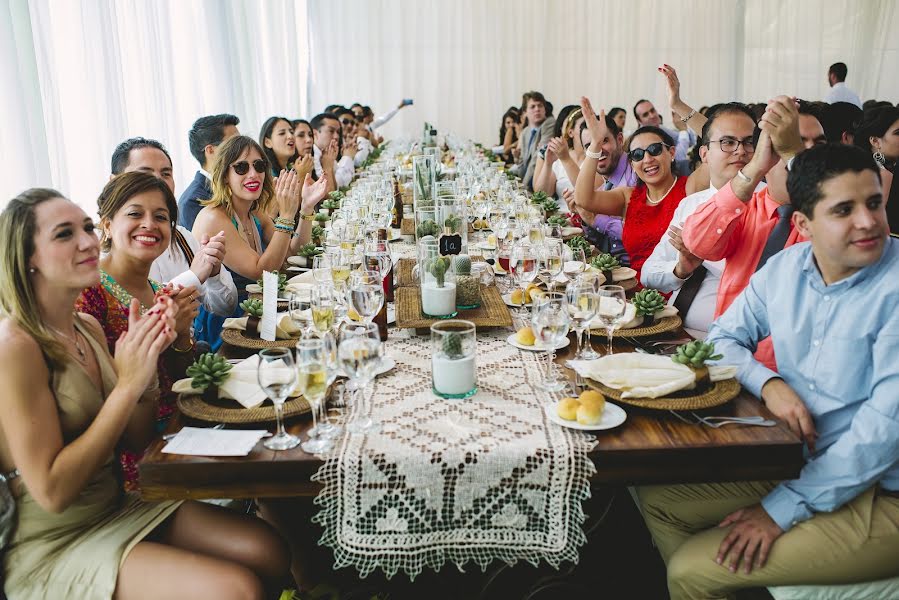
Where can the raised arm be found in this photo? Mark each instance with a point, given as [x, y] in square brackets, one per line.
[312, 194]
[612, 202]
[678, 106]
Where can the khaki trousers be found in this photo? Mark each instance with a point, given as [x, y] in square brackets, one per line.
[858, 542]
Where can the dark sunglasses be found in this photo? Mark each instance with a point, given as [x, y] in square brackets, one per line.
[653, 150]
[243, 167]
[348, 121]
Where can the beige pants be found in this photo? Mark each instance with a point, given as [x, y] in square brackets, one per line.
[858, 542]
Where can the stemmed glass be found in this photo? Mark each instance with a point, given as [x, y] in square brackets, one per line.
[312, 382]
[523, 266]
[325, 428]
[298, 303]
[551, 261]
[277, 377]
[359, 353]
[583, 302]
[612, 307]
[321, 268]
[366, 294]
[324, 299]
[550, 323]
[575, 265]
[340, 268]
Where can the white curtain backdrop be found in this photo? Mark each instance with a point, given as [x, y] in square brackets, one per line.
[86, 74]
[92, 73]
[466, 61]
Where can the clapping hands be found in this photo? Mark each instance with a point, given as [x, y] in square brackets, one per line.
[208, 261]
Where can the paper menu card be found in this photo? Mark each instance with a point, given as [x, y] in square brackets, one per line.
[195, 441]
[268, 324]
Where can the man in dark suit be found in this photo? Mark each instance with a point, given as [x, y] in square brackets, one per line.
[204, 137]
[537, 134]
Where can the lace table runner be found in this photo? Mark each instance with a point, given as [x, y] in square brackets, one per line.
[483, 479]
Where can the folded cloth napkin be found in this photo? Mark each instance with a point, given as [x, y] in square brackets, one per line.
[241, 384]
[285, 328]
[619, 274]
[631, 319]
[645, 375]
[303, 280]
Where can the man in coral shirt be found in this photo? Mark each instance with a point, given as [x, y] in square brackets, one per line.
[738, 221]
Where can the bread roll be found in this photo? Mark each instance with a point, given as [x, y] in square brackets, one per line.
[593, 398]
[590, 413]
[567, 408]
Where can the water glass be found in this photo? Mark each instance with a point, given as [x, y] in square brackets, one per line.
[583, 303]
[312, 382]
[359, 354]
[277, 377]
[550, 321]
[366, 294]
[612, 308]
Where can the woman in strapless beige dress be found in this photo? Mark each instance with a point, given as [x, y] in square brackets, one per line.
[65, 406]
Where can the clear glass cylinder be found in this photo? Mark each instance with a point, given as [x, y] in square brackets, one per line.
[454, 359]
[424, 179]
[437, 281]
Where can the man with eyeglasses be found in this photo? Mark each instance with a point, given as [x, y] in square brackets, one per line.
[350, 127]
[727, 145]
[325, 132]
[746, 226]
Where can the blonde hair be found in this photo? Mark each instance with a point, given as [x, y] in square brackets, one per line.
[570, 120]
[226, 154]
[18, 303]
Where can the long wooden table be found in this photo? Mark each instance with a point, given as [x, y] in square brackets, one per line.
[651, 447]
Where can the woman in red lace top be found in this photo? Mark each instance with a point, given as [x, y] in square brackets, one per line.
[137, 215]
[647, 208]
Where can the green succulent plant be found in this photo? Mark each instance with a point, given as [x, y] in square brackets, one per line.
[605, 262]
[317, 232]
[282, 282]
[538, 197]
[579, 242]
[438, 267]
[208, 369]
[452, 345]
[253, 307]
[428, 227]
[452, 223]
[308, 250]
[648, 301]
[331, 203]
[336, 195]
[321, 217]
[695, 353]
[462, 264]
[558, 220]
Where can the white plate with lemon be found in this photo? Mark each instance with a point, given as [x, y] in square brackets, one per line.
[520, 339]
[588, 412]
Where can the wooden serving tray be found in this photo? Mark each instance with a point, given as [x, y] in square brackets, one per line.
[404, 268]
[493, 312]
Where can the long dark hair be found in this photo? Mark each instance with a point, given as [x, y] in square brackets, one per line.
[266, 132]
[512, 112]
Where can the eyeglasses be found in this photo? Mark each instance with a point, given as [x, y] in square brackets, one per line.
[243, 167]
[653, 150]
[348, 121]
[730, 145]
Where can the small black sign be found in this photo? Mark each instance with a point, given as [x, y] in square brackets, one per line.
[450, 244]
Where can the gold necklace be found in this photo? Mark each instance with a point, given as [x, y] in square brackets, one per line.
[82, 356]
[652, 202]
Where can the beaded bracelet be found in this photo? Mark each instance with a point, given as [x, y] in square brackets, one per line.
[284, 221]
[283, 229]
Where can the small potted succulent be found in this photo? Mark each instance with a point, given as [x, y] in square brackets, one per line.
[606, 263]
[332, 202]
[438, 290]
[694, 354]
[468, 286]
[579, 242]
[559, 220]
[253, 308]
[452, 224]
[427, 228]
[648, 302]
[282, 282]
[208, 372]
[304, 257]
[453, 359]
[318, 235]
[322, 217]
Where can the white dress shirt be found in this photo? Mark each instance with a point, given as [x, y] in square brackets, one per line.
[384, 118]
[343, 170]
[218, 294]
[840, 93]
[364, 149]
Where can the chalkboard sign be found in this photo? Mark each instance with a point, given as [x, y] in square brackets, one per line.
[450, 244]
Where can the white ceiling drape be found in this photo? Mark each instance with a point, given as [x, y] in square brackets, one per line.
[89, 73]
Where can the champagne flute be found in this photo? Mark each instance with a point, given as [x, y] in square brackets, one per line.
[359, 353]
[583, 303]
[550, 321]
[277, 377]
[325, 428]
[366, 294]
[312, 382]
[612, 308]
[323, 314]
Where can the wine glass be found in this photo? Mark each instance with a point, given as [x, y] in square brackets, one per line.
[298, 305]
[576, 264]
[550, 321]
[340, 268]
[583, 302]
[323, 301]
[312, 382]
[366, 294]
[325, 428]
[612, 307]
[523, 266]
[554, 231]
[277, 377]
[321, 268]
[359, 353]
[551, 259]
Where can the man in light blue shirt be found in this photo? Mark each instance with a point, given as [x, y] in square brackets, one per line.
[830, 307]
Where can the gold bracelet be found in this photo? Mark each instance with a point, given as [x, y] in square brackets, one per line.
[186, 350]
[309, 217]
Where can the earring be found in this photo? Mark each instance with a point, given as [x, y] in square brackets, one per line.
[879, 158]
[32, 270]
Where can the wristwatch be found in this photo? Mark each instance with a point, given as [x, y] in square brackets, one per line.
[309, 217]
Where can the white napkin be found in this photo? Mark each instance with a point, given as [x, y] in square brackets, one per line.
[301, 281]
[285, 328]
[618, 274]
[645, 375]
[631, 319]
[241, 384]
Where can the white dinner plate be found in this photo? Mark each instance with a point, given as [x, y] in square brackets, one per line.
[386, 364]
[537, 347]
[612, 416]
[299, 262]
[507, 298]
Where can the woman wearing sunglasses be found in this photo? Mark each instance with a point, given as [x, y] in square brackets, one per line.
[244, 194]
[647, 208]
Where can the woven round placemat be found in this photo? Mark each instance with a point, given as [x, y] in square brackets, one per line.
[720, 392]
[225, 410]
[661, 326]
[238, 338]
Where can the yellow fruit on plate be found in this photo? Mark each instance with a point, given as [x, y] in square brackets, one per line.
[567, 408]
[353, 315]
[529, 292]
[525, 336]
[518, 297]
